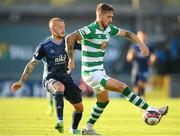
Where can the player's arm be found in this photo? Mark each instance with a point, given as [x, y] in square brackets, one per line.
[130, 55]
[27, 71]
[153, 58]
[70, 40]
[132, 37]
[77, 45]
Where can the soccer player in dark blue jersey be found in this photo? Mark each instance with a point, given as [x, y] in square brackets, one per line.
[56, 77]
[140, 64]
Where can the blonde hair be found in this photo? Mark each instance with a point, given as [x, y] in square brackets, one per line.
[53, 20]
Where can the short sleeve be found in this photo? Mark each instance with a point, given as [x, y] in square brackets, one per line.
[133, 46]
[39, 53]
[151, 48]
[85, 32]
[113, 30]
[77, 46]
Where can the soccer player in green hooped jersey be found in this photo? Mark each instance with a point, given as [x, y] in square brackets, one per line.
[94, 40]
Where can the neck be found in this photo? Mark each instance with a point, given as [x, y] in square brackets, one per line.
[56, 39]
[100, 24]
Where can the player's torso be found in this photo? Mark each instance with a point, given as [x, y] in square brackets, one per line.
[92, 52]
[96, 37]
[140, 63]
[55, 60]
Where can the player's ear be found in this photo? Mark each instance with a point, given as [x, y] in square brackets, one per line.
[99, 14]
[51, 29]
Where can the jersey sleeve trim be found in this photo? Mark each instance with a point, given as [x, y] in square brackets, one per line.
[118, 31]
[34, 58]
[85, 32]
[80, 31]
[113, 30]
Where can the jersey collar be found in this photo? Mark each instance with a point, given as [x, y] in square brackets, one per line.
[97, 25]
[55, 42]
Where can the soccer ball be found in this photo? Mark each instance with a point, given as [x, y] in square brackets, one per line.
[151, 117]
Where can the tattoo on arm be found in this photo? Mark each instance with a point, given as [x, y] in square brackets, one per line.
[70, 40]
[130, 36]
[28, 69]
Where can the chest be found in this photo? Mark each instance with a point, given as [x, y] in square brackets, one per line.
[101, 35]
[56, 53]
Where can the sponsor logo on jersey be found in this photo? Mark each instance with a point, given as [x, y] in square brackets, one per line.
[60, 59]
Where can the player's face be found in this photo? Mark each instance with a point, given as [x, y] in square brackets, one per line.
[106, 18]
[59, 29]
[142, 36]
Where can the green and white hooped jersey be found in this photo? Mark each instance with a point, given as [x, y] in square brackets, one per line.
[92, 54]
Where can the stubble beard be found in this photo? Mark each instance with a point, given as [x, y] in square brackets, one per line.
[59, 36]
[105, 26]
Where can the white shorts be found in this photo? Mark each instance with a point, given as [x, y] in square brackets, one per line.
[48, 84]
[97, 80]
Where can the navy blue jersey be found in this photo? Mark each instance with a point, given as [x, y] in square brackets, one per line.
[54, 58]
[140, 63]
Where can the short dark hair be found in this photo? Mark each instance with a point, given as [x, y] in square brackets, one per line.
[104, 7]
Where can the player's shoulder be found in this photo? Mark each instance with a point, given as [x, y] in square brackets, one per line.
[88, 29]
[92, 26]
[149, 45]
[111, 26]
[134, 46]
[45, 41]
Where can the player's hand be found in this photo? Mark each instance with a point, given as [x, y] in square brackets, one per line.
[103, 45]
[16, 86]
[71, 65]
[144, 51]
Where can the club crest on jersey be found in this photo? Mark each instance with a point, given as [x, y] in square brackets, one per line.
[98, 32]
[52, 51]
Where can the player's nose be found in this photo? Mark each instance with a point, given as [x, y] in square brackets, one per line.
[63, 31]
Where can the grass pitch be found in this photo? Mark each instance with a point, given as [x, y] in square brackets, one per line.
[26, 117]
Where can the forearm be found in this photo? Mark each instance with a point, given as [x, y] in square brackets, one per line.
[28, 70]
[132, 37]
[70, 40]
[70, 46]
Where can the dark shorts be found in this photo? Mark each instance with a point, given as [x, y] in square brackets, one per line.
[72, 92]
[140, 76]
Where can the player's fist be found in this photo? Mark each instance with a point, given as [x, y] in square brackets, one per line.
[103, 45]
[16, 86]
